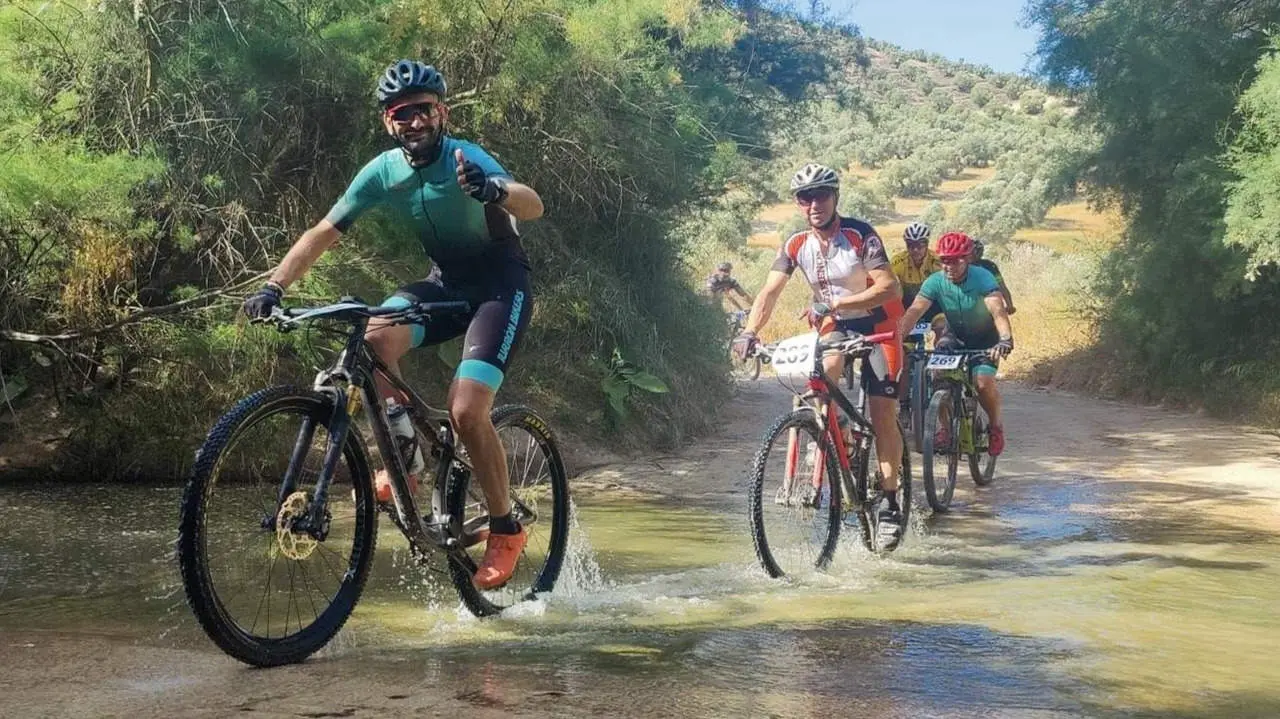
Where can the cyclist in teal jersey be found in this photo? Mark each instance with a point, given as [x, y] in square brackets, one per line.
[464, 207]
[976, 319]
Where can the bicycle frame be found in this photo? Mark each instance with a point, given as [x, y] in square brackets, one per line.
[824, 396]
[349, 381]
[962, 387]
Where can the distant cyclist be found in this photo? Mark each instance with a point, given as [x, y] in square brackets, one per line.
[721, 282]
[848, 272]
[976, 319]
[978, 249]
[914, 264]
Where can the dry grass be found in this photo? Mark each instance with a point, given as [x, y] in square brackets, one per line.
[1048, 290]
[956, 187]
[776, 214]
[1074, 227]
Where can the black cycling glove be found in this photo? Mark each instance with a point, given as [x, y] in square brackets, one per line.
[261, 303]
[480, 185]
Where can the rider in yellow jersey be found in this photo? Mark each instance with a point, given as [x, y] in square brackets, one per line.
[914, 264]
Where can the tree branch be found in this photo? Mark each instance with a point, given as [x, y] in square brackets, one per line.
[174, 308]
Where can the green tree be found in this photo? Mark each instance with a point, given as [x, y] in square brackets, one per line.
[1253, 203]
[1159, 81]
[1032, 102]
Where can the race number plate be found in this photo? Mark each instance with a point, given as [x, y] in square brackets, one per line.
[943, 361]
[794, 357]
[919, 330]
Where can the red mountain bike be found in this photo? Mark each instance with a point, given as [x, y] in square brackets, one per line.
[809, 477]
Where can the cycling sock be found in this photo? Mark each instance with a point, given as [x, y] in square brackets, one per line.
[504, 525]
[893, 501]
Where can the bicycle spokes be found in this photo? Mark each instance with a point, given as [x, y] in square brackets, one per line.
[794, 521]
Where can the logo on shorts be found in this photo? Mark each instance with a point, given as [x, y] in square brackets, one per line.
[513, 324]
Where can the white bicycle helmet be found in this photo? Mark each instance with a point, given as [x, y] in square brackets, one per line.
[813, 176]
[916, 233]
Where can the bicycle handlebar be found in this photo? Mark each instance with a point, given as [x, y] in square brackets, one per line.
[847, 346]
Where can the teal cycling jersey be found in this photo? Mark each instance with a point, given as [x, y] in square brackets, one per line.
[452, 226]
[964, 305]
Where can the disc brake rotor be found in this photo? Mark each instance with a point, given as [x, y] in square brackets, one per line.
[294, 545]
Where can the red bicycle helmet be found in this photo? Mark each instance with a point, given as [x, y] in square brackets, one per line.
[954, 244]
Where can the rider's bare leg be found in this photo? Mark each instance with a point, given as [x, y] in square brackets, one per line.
[989, 398]
[470, 405]
[389, 342]
[884, 420]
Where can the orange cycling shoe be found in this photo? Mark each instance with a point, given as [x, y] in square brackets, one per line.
[501, 553]
[382, 486]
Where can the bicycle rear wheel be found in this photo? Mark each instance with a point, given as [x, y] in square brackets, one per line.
[795, 496]
[940, 464]
[982, 465]
[265, 593]
[540, 500]
[919, 400]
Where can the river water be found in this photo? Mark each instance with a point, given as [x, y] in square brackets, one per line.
[1123, 584]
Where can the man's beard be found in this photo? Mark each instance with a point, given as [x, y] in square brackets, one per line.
[826, 225]
[424, 150]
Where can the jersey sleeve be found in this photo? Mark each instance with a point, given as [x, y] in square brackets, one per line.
[365, 191]
[874, 256]
[785, 262]
[477, 154]
[931, 288]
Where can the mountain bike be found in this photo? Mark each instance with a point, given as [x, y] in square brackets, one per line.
[916, 397]
[748, 368]
[823, 477]
[954, 404]
[279, 517]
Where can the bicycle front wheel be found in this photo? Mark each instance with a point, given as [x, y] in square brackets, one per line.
[264, 590]
[795, 496]
[939, 464]
[540, 502]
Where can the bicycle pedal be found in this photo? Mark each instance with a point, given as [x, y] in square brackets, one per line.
[475, 531]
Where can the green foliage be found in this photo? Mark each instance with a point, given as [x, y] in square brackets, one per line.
[1253, 203]
[981, 94]
[934, 216]
[1160, 83]
[624, 381]
[1032, 102]
[163, 152]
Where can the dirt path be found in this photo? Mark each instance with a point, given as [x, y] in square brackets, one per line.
[1145, 467]
[1049, 432]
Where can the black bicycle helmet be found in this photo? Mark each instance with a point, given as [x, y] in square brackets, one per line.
[408, 77]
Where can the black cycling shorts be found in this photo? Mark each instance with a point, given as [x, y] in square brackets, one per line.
[501, 303]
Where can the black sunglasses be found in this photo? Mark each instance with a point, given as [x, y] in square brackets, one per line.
[811, 196]
[408, 113]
